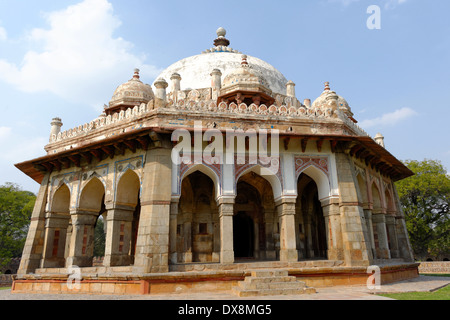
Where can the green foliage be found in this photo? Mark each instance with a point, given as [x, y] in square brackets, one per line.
[16, 207]
[425, 199]
[99, 238]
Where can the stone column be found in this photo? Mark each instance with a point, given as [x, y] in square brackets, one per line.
[256, 251]
[271, 253]
[354, 231]
[82, 241]
[404, 245]
[34, 245]
[55, 239]
[290, 89]
[392, 235]
[371, 244]
[379, 222]
[176, 85]
[226, 212]
[152, 246]
[187, 241]
[288, 243]
[216, 83]
[160, 93]
[332, 216]
[308, 236]
[118, 235]
[173, 225]
[56, 125]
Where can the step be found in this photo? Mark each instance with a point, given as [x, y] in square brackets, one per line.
[271, 292]
[271, 285]
[270, 282]
[269, 273]
[270, 279]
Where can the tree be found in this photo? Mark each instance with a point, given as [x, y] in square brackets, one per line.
[16, 207]
[99, 238]
[425, 199]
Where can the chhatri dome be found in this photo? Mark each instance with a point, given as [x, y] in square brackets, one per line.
[131, 93]
[196, 71]
[330, 99]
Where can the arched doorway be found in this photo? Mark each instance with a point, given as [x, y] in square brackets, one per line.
[255, 222]
[127, 206]
[91, 206]
[310, 222]
[58, 229]
[198, 235]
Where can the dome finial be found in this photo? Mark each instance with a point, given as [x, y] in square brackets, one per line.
[221, 32]
[136, 74]
[327, 86]
[244, 62]
[221, 40]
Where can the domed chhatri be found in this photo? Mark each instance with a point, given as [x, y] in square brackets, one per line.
[132, 93]
[263, 177]
[329, 99]
[249, 83]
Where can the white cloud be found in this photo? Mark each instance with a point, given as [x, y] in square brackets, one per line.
[389, 119]
[78, 55]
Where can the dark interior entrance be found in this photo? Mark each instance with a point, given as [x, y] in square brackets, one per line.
[243, 235]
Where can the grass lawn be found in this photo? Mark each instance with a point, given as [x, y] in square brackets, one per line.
[441, 294]
[5, 288]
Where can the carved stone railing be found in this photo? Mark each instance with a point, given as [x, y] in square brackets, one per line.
[101, 122]
[273, 112]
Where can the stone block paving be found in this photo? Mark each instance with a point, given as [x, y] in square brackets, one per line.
[420, 284]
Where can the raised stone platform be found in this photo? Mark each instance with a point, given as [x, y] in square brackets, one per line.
[435, 267]
[204, 277]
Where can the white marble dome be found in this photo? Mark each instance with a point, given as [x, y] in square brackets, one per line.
[196, 71]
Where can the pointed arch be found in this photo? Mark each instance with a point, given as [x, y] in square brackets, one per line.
[61, 200]
[376, 197]
[390, 203]
[207, 171]
[91, 195]
[266, 174]
[363, 190]
[320, 178]
[128, 189]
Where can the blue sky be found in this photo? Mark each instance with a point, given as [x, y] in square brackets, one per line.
[65, 58]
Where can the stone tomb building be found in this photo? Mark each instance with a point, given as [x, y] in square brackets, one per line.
[318, 200]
